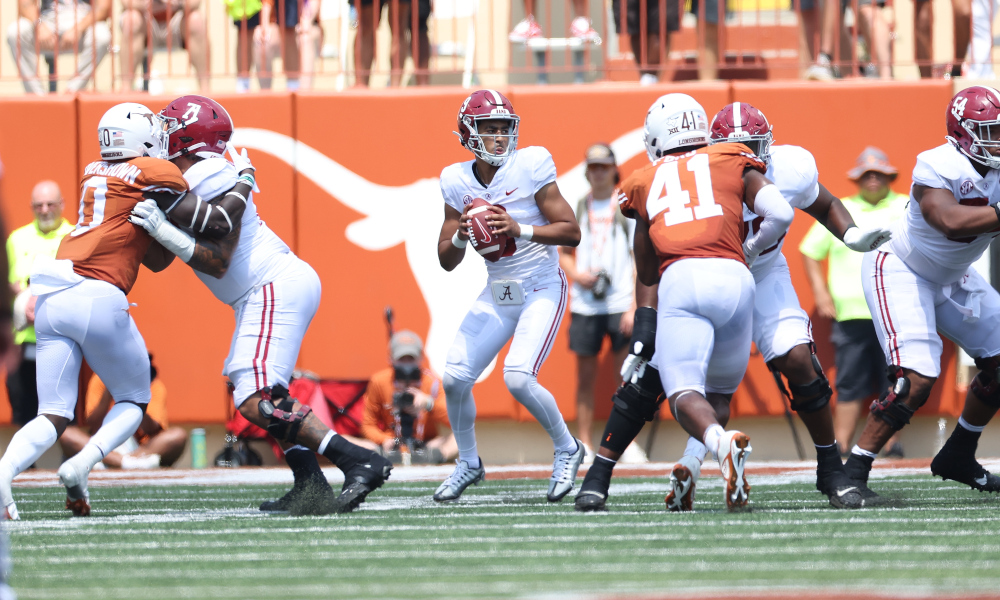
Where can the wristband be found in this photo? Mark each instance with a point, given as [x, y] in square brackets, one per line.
[527, 231]
[996, 209]
[247, 179]
[458, 242]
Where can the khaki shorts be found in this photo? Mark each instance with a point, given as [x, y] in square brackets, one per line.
[161, 29]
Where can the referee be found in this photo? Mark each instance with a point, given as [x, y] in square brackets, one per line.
[41, 237]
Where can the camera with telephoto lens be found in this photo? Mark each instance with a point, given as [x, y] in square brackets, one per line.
[602, 285]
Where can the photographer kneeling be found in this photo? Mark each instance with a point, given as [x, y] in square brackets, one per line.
[405, 406]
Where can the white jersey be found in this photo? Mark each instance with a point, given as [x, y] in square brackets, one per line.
[260, 255]
[793, 170]
[513, 187]
[926, 250]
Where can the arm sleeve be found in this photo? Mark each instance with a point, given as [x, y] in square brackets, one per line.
[817, 242]
[777, 214]
[543, 170]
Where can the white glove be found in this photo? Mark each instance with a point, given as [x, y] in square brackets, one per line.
[633, 368]
[868, 239]
[147, 214]
[242, 162]
[750, 253]
[20, 318]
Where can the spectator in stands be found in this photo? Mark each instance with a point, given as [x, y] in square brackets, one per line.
[154, 445]
[246, 16]
[962, 17]
[581, 27]
[405, 406]
[179, 22]
[603, 274]
[859, 357]
[41, 237]
[296, 40]
[368, 22]
[874, 31]
[647, 55]
[59, 26]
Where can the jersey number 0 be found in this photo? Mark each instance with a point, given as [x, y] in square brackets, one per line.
[92, 203]
[674, 203]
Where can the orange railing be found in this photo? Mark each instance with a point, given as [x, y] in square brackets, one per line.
[335, 44]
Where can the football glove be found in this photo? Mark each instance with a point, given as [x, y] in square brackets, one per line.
[642, 344]
[868, 239]
[147, 214]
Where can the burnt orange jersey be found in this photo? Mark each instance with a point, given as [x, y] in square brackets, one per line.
[693, 202]
[105, 245]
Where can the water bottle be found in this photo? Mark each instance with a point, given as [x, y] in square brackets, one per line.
[199, 450]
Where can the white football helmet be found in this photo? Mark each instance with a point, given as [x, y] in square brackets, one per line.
[130, 130]
[673, 121]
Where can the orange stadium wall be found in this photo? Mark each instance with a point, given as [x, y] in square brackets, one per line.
[363, 206]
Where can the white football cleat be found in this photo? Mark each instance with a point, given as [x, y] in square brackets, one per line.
[564, 469]
[683, 479]
[9, 513]
[74, 477]
[734, 449]
[462, 477]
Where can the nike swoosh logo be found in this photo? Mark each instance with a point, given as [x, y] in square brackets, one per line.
[982, 480]
[512, 191]
[841, 493]
[539, 289]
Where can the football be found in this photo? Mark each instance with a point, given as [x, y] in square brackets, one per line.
[488, 244]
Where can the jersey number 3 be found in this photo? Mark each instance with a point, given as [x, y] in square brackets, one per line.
[674, 203]
[92, 203]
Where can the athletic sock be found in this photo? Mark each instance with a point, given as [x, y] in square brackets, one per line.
[829, 457]
[462, 416]
[965, 436]
[599, 475]
[27, 446]
[696, 449]
[973, 428]
[302, 461]
[542, 405]
[859, 464]
[344, 454]
[119, 424]
[712, 436]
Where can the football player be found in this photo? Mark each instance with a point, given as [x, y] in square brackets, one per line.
[526, 293]
[781, 329]
[688, 205]
[81, 310]
[922, 284]
[274, 295]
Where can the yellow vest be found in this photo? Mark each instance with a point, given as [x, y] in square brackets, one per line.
[23, 245]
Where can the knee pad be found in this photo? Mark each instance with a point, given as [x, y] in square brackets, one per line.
[810, 397]
[986, 384]
[517, 381]
[453, 385]
[142, 405]
[283, 421]
[891, 406]
[639, 401]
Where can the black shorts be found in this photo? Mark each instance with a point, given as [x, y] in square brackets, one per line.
[423, 9]
[860, 361]
[586, 333]
[653, 21]
[252, 22]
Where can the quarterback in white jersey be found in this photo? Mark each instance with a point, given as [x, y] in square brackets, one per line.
[538, 218]
[274, 295]
[781, 329]
[923, 284]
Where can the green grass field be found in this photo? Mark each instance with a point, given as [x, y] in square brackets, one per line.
[504, 540]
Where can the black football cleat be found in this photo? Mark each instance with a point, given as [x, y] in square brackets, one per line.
[590, 501]
[310, 496]
[833, 482]
[956, 465]
[361, 480]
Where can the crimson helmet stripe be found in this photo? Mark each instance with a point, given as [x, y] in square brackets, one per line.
[737, 118]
